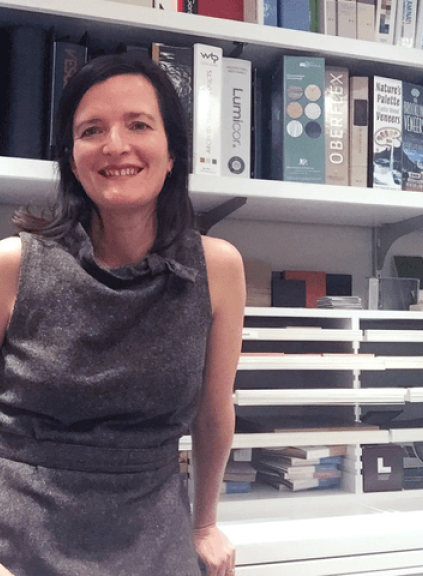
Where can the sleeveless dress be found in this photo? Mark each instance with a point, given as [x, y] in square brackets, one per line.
[100, 375]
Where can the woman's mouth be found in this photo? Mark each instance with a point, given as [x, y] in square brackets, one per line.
[117, 172]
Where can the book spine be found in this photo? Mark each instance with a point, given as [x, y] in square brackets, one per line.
[359, 130]
[207, 109]
[276, 122]
[412, 137]
[178, 63]
[336, 125]
[314, 15]
[387, 133]
[385, 21]
[233, 10]
[264, 12]
[67, 59]
[419, 28]
[304, 128]
[294, 14]
[236, 115]
[328, 17]
[25, 111]
[347, 18]
[366, 20]
[405, 29]
[236, 487]
[188, 6]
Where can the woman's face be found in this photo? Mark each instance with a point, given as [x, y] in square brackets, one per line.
[120, 152]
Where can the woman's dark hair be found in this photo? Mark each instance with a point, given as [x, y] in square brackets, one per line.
[174, 209]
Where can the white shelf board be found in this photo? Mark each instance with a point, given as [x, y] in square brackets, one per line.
[302, 334]
[325, 397]
[398, 435]
[24, 180]
[414, 394]
[314, 362]
[402, 362]
[393, 336]
[268, 311]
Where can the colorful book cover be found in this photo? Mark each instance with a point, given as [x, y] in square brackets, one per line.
[188, 6]
[233, 10]
[236, 118]
[336, 125]
[207, 109]
[412, 143]
[387, 133]
[303, 119]
[315, 284]
[327, 17]
[359, 130]
[347, 18]
[385, 21]
[178, 62]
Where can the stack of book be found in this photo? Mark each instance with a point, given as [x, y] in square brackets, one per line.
[344, 302]
[239, 476]
[301, 468]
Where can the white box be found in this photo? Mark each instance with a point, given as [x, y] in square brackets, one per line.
[386, 11]
[236, 118]
[207, 109]
[366, 20]
[347, 18]
[387, 133]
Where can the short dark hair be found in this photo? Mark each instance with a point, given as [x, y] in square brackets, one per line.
[174, 209]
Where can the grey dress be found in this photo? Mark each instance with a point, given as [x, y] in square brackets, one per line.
[100, 375]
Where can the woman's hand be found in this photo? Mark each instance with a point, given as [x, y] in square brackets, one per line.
[215, 550]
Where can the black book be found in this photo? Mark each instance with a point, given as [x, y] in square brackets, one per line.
[25, 80]
[66, 59]
[190, 6]
[178, 62]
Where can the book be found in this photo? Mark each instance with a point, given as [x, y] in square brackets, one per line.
[307, 471]
[309, 423]
[359, 130]
[337, 125]
[315, 284]
[207, 98]
[409, 267]
[387, 133]
[188, 6]
[366, 20]
[412, 138]
[258, 280]
[282, 484]
[303, 119]
[236, 487]
[328, 17]
[236, 118]
[264, 12]
[385, 21]
[405, 25]
[178, 62]
[294, 14]
[233, 10]
[315, 452]
[25, 74]
[347, 18]
[238, 470]
[66, 59]
[419, 28]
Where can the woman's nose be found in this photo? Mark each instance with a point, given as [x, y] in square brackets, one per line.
[115, 141]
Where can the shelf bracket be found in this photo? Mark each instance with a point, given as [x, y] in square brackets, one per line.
[384, 236]
[237, 50]
[205, 220]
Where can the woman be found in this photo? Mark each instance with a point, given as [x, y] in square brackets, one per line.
[121, 329]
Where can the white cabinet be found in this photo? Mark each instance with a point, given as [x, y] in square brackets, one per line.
[342, 531]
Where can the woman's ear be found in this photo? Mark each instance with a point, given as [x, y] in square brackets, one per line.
[171, 162]
[73, 167]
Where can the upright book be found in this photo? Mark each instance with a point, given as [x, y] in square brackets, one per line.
[178, 62]
[385, 21]
[412, 147]
[347, 18]
[236, 118]
[359, 130]
[188, 6]
[207, 109]
[295, 14]
[233, 10]
[337, 125]
[66, 59]
[25, 74]
[405, 25]
[328, 17]
[366, 20]
[263, 12]
[303, 119]
[387, 133]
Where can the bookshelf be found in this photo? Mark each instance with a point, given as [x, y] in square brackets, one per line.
[319, 534]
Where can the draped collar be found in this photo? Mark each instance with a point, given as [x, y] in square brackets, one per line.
[80, 246]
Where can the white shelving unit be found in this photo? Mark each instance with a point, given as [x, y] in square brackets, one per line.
[319, 534]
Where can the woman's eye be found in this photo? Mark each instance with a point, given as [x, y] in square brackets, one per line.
[139, 126]
[91, 131]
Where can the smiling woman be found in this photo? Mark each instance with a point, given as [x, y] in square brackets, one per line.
[121, 331]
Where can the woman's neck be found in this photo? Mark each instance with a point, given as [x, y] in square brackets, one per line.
[119, 241]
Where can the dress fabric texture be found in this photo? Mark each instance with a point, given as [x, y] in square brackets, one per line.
[100, 375]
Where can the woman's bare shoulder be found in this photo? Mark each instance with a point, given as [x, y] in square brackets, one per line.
[219, 252]
[10, 254]
[10, 262]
